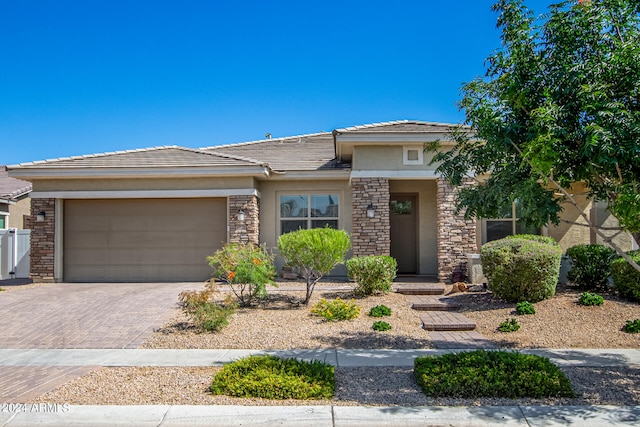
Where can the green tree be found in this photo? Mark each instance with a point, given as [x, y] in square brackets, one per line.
[314, 252]
[559, 104]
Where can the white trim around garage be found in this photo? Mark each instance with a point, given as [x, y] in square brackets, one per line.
[143, 194]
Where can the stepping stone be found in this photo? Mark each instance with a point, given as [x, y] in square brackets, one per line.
[432, 303]
[420, 289]
[460, 340]
[445, 321]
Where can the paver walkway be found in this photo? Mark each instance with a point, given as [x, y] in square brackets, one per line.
[77, 315]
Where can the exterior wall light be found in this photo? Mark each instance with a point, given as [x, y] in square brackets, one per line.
[41, 216]
[371, 212]
[240, 215]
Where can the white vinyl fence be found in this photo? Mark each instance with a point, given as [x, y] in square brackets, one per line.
[14, 253]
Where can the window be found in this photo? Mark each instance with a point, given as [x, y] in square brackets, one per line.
[302, 211]
[3, 222]
[507, 225]
[412, 156]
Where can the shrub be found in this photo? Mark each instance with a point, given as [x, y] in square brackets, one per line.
[525, 307]
[380, 326]
[490, 374]
[632, 326]
[336, 310]
[588, 298]
[192, 299]
[210, 316]
[509, 325]
[519, 269]
[314, 253]
[271, 377]
[373, 274]
[626, 279]
[380, 311]
[590, 265]
[246, 267]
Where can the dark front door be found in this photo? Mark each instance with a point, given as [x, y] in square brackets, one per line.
[404, 234]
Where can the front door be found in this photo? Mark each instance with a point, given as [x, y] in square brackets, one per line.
[404, 234]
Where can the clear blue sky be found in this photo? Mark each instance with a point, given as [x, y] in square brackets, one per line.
[88, 76]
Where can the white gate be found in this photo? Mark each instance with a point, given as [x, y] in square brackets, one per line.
[14, 253]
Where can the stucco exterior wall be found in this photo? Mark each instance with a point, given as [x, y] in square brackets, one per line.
[566, 233]
[427, 222]
[18, 212]
[388, 158]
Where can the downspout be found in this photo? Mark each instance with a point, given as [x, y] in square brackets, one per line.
[335, 143]
[14, 252]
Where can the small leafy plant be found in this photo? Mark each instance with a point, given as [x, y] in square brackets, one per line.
[588, 298]
[525, 307]
[247, 268]
[632, 326]
[380, 311]
[270, 377]
[203, 311]
[509, 325]
[381, 326]
[490, 374]
[336, 309]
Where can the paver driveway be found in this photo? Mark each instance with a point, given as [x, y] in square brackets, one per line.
[77, 315]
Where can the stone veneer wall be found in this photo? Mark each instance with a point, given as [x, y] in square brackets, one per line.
[247, 231]
[370, 236]
[42, 240]
[456, 236]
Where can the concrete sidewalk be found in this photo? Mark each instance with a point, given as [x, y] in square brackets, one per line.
[320, 416]
[336, 357]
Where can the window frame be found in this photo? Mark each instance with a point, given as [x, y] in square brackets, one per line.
[308, 218]
[513, 219]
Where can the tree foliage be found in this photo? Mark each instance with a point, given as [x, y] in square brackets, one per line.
[559, 104]
[314, 252]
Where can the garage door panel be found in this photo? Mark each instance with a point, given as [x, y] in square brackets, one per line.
[142, 240]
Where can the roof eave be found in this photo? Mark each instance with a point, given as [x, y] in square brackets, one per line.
[147, 172]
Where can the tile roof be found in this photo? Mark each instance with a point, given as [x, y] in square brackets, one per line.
[10, 188]
[401, 126]
[167, 156]
[294, 153]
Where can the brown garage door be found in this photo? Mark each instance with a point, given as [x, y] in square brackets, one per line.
[141, 240]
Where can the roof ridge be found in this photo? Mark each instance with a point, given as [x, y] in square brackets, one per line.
[393, 122]
[224, 156]
[259, 141]
[94, 155]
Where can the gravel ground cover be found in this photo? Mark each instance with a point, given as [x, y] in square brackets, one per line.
[282, 323]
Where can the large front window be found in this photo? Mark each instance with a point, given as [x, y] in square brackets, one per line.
[302, 211]
[508, 224]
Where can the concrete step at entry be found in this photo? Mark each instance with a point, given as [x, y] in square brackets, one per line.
[445, 321]
[460, 340]
[419, 289]
[432, 303]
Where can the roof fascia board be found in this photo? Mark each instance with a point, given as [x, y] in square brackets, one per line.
[144, 194]
[150, 172]
[386, 138]
[395, 174]
[312, 175]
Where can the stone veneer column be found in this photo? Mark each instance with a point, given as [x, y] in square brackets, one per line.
[42, 240]
[247, 231]
[370, 236]
[456, 236]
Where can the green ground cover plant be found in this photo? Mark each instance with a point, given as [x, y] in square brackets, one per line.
[337, 309]
[490, 374]
[373, 274]
[525, 307]
[632, 326]
[380, 311]
[381, 326]
[270, 377]
[509, 325]
[589, 299]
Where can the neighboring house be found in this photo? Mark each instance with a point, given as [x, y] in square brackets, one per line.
[155, 214]
[15, 204]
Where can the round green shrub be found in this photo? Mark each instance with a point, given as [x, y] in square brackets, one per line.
[522, 268]
[632, 326]
[525, 307]
[509, 325]
[373, 274]
[590, 299]
[590, 265]
[380, 311]
[381, 325]
[626, 279]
